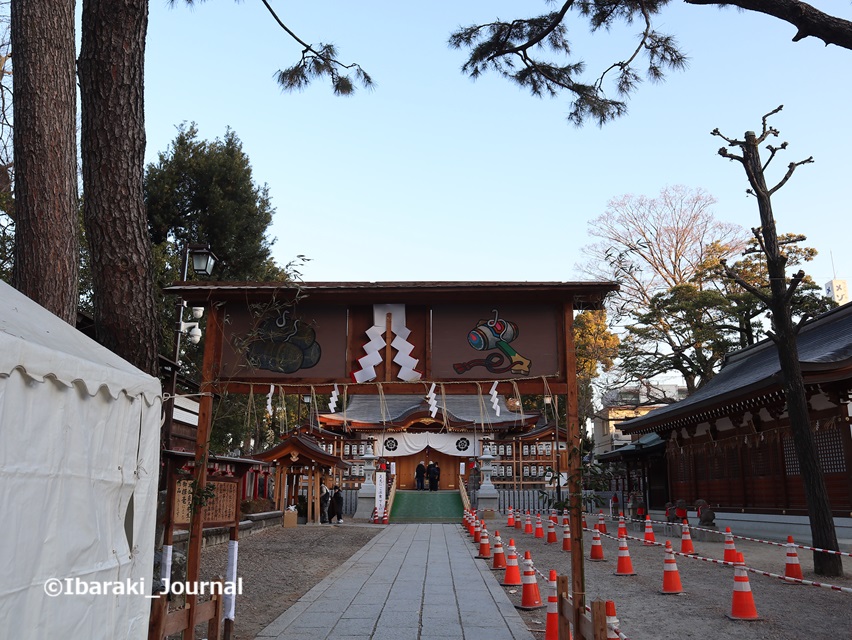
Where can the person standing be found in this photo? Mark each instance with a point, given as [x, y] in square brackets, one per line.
[335, 509]
[431, 474]
[437, 477]
[420, 476]
[325, 498]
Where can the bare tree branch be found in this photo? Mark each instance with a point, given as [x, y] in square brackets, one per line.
[809, 21]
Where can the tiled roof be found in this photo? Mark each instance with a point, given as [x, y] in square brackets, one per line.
[368, 409]
[825, 344]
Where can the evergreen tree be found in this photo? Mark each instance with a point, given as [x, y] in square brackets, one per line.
[203, 191]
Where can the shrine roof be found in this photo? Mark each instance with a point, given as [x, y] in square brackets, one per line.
[583, 295]
[825, 354]
[378, 411]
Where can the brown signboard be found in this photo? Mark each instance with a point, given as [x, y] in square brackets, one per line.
[220, 510]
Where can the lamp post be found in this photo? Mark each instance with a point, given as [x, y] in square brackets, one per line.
[203, 260]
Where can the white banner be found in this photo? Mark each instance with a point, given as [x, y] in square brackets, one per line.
[459, 444]
[381, 492]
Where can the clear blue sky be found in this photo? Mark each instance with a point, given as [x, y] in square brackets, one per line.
[432, 176]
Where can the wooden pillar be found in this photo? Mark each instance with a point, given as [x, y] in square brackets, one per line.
[575, 465]
[212, 355]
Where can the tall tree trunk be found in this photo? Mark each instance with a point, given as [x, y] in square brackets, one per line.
[45, 148]
[784, 335]
[111, 68]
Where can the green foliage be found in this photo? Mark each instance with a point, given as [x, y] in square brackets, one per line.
[202, 191]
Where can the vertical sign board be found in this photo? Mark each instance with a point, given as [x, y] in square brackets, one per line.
[381, 491]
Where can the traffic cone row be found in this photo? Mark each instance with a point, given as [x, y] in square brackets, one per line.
[792, 568]
[551, 629]
[686, 546]
[671, 576]
[611, 621]
[499, 561]
[742, 602]
[596, 553]
[539, 530]
[649, 532]
[602, 523]
[512, 577]
[625, 564]
[622, 526]
[530, 595]
[730, 549]
[551, 532]
[484, 546]
[477, 532]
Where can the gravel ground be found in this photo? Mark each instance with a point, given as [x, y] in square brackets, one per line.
[279, 565]
[788, 611]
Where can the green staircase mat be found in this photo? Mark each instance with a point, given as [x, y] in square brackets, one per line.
[427, 506]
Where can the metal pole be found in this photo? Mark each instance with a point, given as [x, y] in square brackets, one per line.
[169, 406]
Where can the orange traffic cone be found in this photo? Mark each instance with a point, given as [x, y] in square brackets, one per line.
[373, 518]
[539, 530]
[530, 596]
[511, 521]
[585, 526]
[553, 516]
[528, 524]
[686, 546]
[551, 629]
[649, 532]
[792, 569]
[596, 553]
[602, 523]
[566, 537]
[471, 523]
[477, 532]
[499, 561]
[730, 549]
[551, 532]
[484, 546]
[611, 621]
[622, 526]
[625, 564]
[671, 576]
[742, 602]
[519, 520]
[386, 515]
[512, 577]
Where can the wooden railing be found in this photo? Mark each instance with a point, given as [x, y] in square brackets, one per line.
[165, 623]
[591, 625]
[463, 492]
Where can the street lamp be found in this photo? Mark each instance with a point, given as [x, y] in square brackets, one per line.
[203, 260]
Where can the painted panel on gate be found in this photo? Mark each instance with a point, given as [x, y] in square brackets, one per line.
[291, 341]
[494, 341]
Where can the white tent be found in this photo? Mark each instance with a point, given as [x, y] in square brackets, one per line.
[79, 459]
